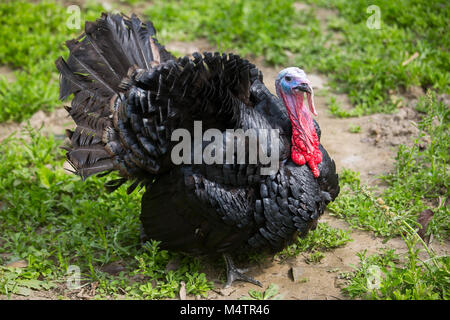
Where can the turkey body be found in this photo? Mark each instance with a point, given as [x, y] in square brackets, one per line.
[130, 94]
[187, 212]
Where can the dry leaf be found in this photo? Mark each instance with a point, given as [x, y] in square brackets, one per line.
[18, 264]
[414, 56]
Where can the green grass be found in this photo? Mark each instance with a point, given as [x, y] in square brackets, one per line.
[32, 37]
[385, 276]
[324, 238]
[367, 64]
[419, 182]
[336, 109]
[131, 2]
[18, 281]
[55, 220]
[364, 63]
[271, 293]
[354, 128]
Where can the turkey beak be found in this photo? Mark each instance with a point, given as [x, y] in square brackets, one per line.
[305, 87]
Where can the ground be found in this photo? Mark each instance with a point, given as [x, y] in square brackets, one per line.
[357, 151]
[369, 150]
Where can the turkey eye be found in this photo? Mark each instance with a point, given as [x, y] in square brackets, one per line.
[288, 78]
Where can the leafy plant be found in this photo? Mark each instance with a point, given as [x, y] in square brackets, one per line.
[382, 276]
[20, 282]
[271, 293]
[354, 128]
[315, 257]
[323, 238]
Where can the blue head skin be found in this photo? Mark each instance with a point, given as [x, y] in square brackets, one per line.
[293, 83]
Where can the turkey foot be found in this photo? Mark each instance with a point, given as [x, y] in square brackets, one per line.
[234, 273]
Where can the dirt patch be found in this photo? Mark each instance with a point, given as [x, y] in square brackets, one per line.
[393, 129]
[353, 150]
[8, 73]
[50, 123]
[317, 281]
[179, 48]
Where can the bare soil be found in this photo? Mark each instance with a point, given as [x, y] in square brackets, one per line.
[50, 123]
[8, 73]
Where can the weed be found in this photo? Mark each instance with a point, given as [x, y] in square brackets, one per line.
[336, 110]
[381, 276]
[354, 128]
[324, 238]
[315, 257]
[419, 182]
[271, 293]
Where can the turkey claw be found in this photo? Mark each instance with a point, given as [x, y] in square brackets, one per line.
[234, 274]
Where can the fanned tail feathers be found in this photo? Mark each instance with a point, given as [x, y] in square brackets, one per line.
[99, 61]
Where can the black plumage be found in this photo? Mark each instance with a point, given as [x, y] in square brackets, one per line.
[130, 94]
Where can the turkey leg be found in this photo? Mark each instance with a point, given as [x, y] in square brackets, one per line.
[234, 273]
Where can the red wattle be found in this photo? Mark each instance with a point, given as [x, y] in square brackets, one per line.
[301, 155]
[305, 143]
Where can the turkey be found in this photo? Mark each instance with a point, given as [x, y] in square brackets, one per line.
[131, 96]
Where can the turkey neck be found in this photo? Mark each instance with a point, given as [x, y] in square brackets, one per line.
[305, 143]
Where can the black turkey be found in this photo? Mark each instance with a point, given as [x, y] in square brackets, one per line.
[131, 95]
